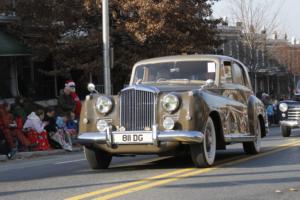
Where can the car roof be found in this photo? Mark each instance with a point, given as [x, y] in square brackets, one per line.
[184, 58]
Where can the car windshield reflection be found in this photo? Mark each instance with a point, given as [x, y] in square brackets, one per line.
[184, 72]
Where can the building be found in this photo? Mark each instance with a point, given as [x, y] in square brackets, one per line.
[14, 56]
[268, 74]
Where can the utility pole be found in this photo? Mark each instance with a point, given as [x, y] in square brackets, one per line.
[105, 29]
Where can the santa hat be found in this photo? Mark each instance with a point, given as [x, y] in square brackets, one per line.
[70, 84]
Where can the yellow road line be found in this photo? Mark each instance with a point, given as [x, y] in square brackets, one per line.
[126, 185]
[155, 180]
[193, 173]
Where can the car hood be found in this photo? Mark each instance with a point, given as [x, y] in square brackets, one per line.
[164, 88]
[291, 103]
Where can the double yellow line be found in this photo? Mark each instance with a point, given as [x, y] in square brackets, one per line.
[143, 184]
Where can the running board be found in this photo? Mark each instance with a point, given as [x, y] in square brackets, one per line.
[237, 138]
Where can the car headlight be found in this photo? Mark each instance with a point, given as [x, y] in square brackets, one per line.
[168, 123]
[283, 107]
[104, 104]
[170, 102]
[101, 125]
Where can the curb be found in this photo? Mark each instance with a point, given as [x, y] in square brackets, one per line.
[33, 154]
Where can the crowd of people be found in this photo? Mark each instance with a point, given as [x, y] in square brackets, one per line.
[25, 126]
[271, 105]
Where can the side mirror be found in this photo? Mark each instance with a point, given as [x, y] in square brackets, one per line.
[91, 87]
[209, 82]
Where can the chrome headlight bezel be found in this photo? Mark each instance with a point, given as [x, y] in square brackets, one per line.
[104, 104]
[101, 125]
[170, 102]
[283, 107]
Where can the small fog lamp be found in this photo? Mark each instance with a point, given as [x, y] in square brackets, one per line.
[168, 123]
[102, 125]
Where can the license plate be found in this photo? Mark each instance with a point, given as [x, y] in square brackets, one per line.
[132, 138]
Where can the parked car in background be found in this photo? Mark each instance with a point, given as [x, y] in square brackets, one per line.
[289, 112]
[195, 104]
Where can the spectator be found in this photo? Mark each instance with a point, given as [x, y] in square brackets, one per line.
[18, 110]
[66, 104]
[71, 126]
[270, 113]
[4, 147]
[61, 123]
[75, 97]
[29, 106]
[10, 131]
[259, 94]
[265, 99]
[34, 121]
[36, 129]
[51, 129]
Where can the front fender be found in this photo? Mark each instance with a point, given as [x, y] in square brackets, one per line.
[256, 111]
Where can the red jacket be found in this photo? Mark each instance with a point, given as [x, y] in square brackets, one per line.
[78, 104]
[6, 118]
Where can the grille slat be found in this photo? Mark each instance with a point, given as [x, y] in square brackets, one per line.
[137, 109]
[293, 113]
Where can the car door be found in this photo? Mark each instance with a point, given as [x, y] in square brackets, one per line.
[235, 111]
[244, 92]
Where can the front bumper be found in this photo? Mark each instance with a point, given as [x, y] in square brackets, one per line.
[188, 137]
[290, 123]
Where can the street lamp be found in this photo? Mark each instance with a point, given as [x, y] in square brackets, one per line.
[106, 57]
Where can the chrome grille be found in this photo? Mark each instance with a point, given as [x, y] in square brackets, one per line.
[293, 113]
[137, 109]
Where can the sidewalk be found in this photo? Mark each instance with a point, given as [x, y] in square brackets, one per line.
[33, 154]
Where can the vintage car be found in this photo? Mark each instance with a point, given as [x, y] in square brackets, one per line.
[194, 104]
[289, 114]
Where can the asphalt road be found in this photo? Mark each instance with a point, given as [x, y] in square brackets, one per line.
[273, 174]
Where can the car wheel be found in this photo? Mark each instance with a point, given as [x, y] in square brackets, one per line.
[254, 147]
[203, 155]
[285, 131]
[97, 158]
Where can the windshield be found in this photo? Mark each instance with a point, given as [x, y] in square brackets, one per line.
[184, 72]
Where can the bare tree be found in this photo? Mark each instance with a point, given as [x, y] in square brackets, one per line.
[258, 20]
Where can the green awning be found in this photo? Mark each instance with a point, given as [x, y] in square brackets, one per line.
[10, 46]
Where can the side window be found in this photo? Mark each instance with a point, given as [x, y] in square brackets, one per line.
[226, 73]
[238, 76]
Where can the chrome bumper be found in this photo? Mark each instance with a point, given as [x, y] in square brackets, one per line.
[290, 123]
[158, 136]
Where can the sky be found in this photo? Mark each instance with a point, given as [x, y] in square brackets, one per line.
[289, 17]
